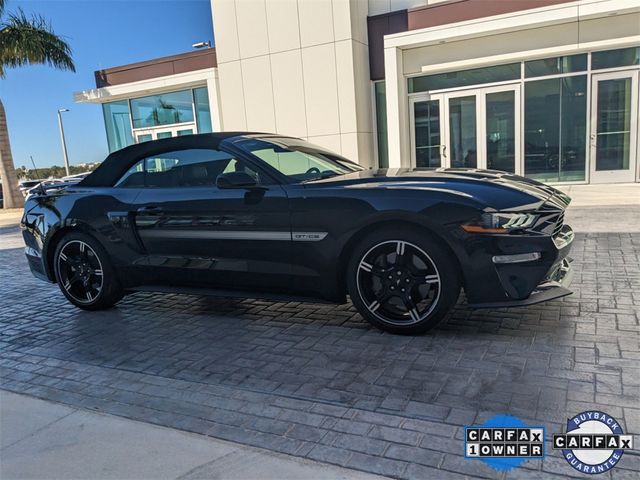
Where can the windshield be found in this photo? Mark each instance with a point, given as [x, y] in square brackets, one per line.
[298, 160]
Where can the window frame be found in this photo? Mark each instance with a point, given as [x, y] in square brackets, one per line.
[265, 178]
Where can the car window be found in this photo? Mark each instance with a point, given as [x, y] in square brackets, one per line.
[183, 168]
[297, 159]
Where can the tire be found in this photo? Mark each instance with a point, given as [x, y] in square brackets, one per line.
[403, 281]
[85, 274]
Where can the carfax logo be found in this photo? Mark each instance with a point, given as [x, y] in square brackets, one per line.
[594, 442]
[504, 442]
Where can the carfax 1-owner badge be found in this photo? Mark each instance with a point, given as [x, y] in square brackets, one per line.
[594, 442]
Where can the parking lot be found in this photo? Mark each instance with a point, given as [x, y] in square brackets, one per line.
[316, 381]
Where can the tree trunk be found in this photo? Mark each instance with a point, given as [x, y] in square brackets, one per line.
[10, 191]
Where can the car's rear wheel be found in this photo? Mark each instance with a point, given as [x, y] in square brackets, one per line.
[403, 281]
[84, 274]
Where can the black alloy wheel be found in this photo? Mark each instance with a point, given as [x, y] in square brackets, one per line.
[84, 274]
[403, 282]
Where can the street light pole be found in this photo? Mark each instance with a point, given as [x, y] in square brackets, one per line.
[62, 139]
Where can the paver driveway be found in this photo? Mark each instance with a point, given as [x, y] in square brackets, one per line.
[316, 381]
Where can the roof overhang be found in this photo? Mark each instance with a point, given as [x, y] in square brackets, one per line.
[511, 22]
[142, 88]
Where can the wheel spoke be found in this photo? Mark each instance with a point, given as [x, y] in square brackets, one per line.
[430, 279]
[367, 267]
[411, 308]
[373, 306]
[71, 281]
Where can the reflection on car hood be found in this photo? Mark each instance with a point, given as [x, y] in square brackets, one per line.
[484, 185]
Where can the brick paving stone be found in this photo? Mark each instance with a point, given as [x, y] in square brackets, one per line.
[315, 380]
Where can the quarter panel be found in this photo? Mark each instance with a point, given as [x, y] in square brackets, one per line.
[341, 213]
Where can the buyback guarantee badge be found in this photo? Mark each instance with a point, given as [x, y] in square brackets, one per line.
[594, 442]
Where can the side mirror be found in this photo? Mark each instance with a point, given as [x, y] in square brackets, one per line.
[236, 180]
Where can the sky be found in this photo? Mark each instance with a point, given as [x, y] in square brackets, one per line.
[102, 34]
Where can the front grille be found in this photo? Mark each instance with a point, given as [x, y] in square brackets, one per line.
[550, 221]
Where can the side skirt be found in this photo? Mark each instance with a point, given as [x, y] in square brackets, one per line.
[275, 297]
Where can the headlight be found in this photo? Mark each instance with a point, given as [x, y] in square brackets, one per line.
[501, 222]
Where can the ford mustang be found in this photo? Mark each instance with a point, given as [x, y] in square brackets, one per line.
[258, 215]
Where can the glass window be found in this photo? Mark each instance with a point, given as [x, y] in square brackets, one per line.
[555, 65]
[117, 121]
[615, 58]
[203, 112]
[163, 109]
[501, 131]
[427, 133]
[183, 168]
[476, 76]
[555, 129]
[613, 124]
[297, 159]
[381, 124]
[462, 132]
[134, 176]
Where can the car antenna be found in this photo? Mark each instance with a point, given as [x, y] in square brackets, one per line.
[34, 166]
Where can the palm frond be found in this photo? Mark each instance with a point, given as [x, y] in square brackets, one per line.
[2, 2]
[28, 41]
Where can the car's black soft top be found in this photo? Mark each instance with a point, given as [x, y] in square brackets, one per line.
[117, 163]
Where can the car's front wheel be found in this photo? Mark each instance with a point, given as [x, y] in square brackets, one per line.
[84, 274]
[403, 281]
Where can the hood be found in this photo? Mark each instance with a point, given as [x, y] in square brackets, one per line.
[492, 188]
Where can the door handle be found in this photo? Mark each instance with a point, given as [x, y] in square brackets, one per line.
[150, 210]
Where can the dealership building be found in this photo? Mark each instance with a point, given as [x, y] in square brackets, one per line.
[543, 88]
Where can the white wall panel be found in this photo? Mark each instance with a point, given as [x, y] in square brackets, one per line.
[224, 18]
[288, 93]
[282, 25]
[252, 28]
[332, 142]
[345, 77]
[302, 69]
[321, 96]
[364, 109]
[341, 19]
[316, 22]
[258, 94]
[232, 96]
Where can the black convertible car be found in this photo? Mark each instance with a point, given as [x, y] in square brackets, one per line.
[240, 214]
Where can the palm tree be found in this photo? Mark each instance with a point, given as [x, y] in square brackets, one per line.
[24, 41]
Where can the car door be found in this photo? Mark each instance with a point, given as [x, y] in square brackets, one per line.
[196, 234]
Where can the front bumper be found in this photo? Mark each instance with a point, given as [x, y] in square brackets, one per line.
[521, 283]
[556, 286]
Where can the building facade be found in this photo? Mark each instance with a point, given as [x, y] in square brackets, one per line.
[548, 89]
[159, 98]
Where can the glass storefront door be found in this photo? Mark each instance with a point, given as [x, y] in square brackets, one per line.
[427, 137]
[614, 127]
[477, 128]
[145, 135]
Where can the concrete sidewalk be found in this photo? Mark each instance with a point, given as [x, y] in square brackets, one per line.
[41, 439]
[602, 195]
